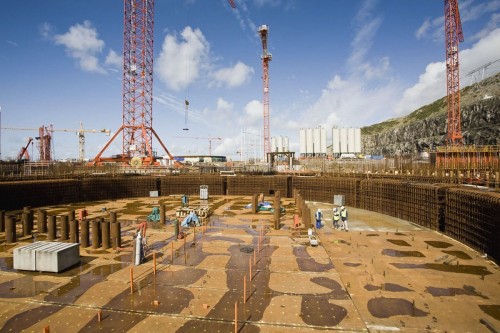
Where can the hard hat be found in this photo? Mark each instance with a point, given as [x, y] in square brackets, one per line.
[335, 209]
[342, 208]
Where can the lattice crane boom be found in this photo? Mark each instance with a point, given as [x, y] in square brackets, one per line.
[266, 57]
[453, 35]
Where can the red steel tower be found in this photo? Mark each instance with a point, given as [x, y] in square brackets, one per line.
[453, 35]
[137, 126]
[266, 57]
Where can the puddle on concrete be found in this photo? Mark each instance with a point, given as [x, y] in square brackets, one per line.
[308, 264]
[491, 310]
[22, 321]
[78, 285]
[382, 307]
[183, 277]
[398, 242]
[318, 311]
[396, 253]
[459, 254]
[392, 287]
[336, 289]
[438, 244]
[24, 287]
[463, 269]
[352, 264]
[466, 290]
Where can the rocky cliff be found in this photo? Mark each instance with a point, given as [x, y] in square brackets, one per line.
[426, 127]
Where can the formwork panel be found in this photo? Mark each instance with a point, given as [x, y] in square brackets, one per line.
[248, 185]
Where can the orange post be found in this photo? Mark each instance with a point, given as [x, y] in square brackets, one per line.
[235, 317]
[154, 263]
[172, 252]
[244, 289]
[131, 280]
[46, 329]
[250, 267]
[99, 315]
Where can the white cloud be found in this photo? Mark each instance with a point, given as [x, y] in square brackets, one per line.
[233, 76]
[422, 30]
[46, 30]
[431, 84]
[253, 113]
[82, 43]
[113, 59]
[493, 23]
[182, 58]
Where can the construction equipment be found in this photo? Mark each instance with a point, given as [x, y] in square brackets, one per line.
[453, 35]
[155, 215]
[23, 153]
[45, 139]
[266, 57]
[232, 3]
[137, 113]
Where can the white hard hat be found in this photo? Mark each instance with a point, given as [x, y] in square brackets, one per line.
[342, 208]
[335, 209]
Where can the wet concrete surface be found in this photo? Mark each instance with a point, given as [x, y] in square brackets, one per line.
[384, 275]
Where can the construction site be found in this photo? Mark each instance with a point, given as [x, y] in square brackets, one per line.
[143, 242]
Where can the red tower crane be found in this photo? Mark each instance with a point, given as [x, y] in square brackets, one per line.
[137, 114]
[453, 35]
[266, 57]
[232, 3]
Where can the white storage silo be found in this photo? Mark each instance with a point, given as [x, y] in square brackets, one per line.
[273, 145]
[309, 142]
[316, 141]
[323, 141]
[286, 144]
[279, 143]
[335, 141]
[350, 140]
[343, 140]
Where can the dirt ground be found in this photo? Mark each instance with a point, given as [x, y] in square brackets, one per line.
[383, 275]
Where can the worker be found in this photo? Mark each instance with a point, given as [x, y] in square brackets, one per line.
[336, 218]
[319, 216]
[343, 216]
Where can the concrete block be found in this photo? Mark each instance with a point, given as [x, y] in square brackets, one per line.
[46, 256]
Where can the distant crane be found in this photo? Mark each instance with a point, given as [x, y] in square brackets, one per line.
[45, 139]
[266, 57]
[198, 138]
[453, 35]
[232, 3]
[23, 153]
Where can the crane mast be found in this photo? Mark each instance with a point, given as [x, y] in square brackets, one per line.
[266, 57]
[453, 35]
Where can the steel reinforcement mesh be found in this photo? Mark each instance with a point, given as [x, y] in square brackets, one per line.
[415, 202]
[35, 193]
[249, 185]
[190, 184]
[117, 187]
[473, 218]
[324, 189]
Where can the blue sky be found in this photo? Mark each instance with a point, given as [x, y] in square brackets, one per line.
[347, 63]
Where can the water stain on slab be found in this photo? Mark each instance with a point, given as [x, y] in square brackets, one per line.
[352, 264]
[399, 242]
[438, 244]
[463, 269]
[492, 310]
[466, 290]
[318, 311]
[392, 287]
[24, 287]
[22, 321]
[382, 307]
[397, 253]
[459, 254]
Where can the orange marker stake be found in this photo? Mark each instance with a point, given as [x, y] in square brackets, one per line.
[244, 289]
[154, 263]
[250, 267]
[235, 317]
[131, 280]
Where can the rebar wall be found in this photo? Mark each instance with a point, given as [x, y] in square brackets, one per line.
[467, 214]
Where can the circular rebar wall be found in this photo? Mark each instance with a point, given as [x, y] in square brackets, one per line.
[464, 213]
